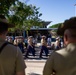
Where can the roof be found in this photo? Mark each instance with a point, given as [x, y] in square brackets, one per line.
[46, 22]
[43, 28]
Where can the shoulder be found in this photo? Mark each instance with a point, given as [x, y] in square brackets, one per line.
[58, 52]
[11, 47]
[61, 50]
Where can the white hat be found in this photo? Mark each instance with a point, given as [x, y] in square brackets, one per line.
[57, 38]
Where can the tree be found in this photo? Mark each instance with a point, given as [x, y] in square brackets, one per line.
[5, 4]
[24, 16]
[55, 25]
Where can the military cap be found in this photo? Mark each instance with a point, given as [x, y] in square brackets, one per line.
[57, 38]
[68, 24]
[3, 21]
[43, 36]
[30, 37]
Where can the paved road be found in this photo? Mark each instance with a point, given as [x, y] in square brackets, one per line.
[34, 67]
[35, 64]
[37, 54]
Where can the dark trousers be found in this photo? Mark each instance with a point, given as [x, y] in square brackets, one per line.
[21, 46]
[30, 49]
[44, 49]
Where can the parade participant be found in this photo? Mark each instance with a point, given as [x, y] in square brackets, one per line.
[20, 44]
[43, 47]
[63, 61]
[57, 44]
[30, 47]
[11, 60]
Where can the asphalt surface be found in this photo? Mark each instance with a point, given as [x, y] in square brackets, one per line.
[34, 67]
[37, 53]
[35, 64]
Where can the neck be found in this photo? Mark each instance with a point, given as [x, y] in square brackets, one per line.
[71, 41]
[3, 36]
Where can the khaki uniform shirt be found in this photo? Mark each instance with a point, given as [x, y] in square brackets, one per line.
[43, 42]
[62, 62]
[11, 60]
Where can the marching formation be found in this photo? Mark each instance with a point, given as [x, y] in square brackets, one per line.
[29, 45]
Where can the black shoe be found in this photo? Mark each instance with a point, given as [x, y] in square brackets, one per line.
[26, 57]
[40, 57]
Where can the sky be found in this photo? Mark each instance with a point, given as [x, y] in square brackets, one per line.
[56, 11]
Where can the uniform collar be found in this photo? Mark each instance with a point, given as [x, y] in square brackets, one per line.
[71, 46]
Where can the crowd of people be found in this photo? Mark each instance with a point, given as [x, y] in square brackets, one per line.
[27, 45]
[63, 61]
[11, 59]
[60, 62]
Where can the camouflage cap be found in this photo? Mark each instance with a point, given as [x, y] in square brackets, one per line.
[68, 24]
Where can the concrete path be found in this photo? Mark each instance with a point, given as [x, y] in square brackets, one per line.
[35, 64]
[34, 67]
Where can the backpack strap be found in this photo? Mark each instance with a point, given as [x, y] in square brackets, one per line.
[4, 44]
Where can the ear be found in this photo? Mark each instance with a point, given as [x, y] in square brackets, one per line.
[6, 32]
[65, 39]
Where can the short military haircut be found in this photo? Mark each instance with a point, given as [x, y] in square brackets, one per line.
[68, 24]
[71, 33]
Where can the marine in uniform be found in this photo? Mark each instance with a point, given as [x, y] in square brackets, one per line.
[43, 47]
[30, 47]
[63, 61]
[11, 59]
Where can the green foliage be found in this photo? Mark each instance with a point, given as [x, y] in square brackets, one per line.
[4, 5]
[24, 16]
[55, 25]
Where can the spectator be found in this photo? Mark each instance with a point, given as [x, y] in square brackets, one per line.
[11, 60]
[63, 61]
